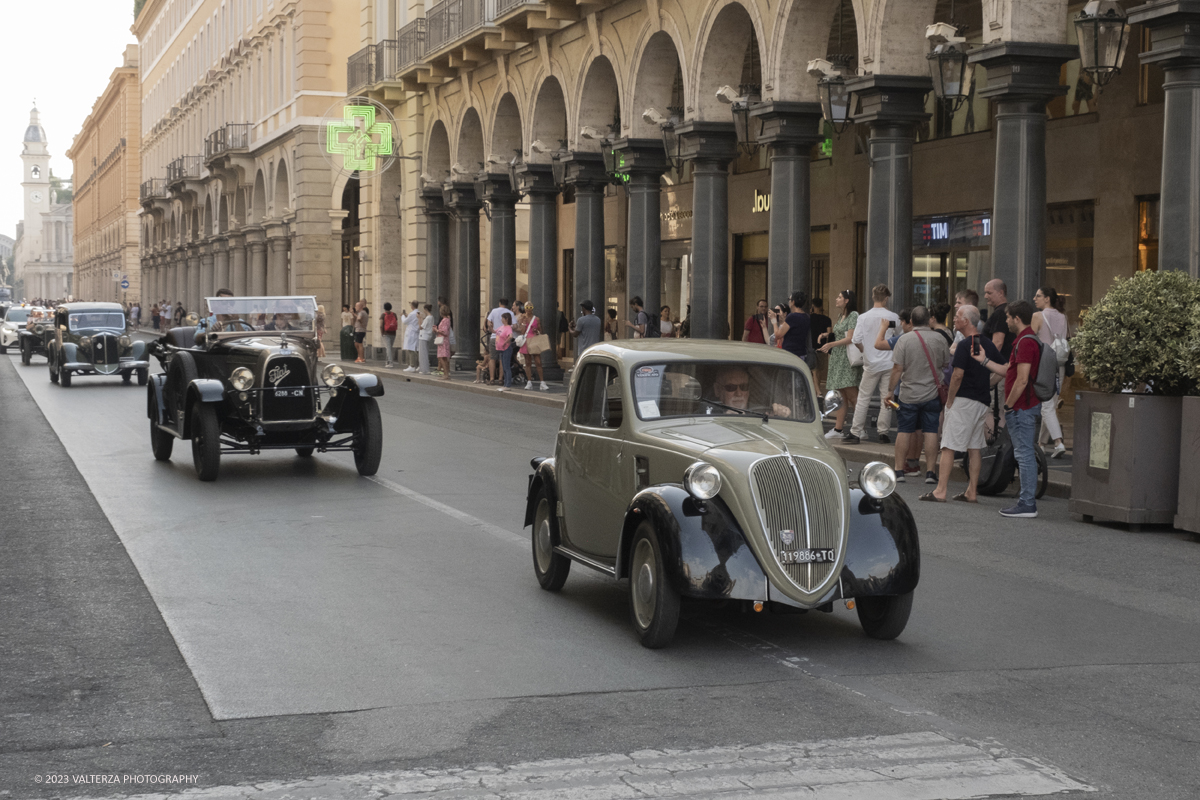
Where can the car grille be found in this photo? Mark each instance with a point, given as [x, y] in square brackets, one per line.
[781, 499]
[293, 375]
[106, 353]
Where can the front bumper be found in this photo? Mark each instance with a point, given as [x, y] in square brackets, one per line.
[87, 366]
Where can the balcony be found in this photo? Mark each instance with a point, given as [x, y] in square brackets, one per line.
[183, 168]
[153, 189]
[359, 69]
[450, 20]
[234, 136]
[410, 41]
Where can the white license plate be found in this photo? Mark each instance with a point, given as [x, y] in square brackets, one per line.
[289, 393]
[815, 556]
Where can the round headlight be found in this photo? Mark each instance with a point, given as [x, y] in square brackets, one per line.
[877, 479]
[85, 342]
[126, 341]
[702, 481]
[333, 375]
[242, 379]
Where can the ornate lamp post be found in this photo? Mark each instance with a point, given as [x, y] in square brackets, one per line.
[739, 106]
[948, 64]
[831, 88]
[1102, 29]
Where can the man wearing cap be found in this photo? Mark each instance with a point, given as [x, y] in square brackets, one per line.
[587, 330]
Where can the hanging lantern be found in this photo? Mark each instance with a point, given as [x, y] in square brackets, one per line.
[948, 68]
[558, 169]
[835, 101]
[1102, 29]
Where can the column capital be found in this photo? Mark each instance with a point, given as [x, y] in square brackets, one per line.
[585, 171]
[537, 179]
[891, 98]
[1174, 32]
[277, 230]
[785, 122]
[205, 248]
[460, 196]
[707, 141]
[497, 188]
[221, 244]
[256, 235]
[235, 238]
[431, 196]
[642, 157]
[1027, 70]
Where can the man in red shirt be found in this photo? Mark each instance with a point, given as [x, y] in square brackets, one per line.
[755, 329]
[1021, 405]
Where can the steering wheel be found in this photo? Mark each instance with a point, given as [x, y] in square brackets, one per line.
[228, 325]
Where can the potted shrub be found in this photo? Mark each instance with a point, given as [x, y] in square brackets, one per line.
[1132, 346]
[1187, 516]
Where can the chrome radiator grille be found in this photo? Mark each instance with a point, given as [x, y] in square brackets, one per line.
[783, 502]
[106, 353]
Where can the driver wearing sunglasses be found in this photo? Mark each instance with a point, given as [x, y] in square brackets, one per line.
[731, 387]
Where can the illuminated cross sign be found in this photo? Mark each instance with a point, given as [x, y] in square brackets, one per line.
[358, 138]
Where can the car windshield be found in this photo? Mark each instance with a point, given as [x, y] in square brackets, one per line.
[88, 320]
[691, 388]
[234, 314]
[17, 315]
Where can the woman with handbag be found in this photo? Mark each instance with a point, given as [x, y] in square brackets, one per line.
[442, 340]
[531, 329]
[845, 373]
[1050, 325]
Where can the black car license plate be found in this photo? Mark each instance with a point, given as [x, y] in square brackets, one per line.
[814, 556]
[289, 393]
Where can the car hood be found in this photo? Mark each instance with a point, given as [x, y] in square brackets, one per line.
[740, 441]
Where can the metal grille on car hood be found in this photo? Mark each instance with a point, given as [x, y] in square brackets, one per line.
[806, 497]
[106, 353]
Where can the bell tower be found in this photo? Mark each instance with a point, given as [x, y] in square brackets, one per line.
[35, 181]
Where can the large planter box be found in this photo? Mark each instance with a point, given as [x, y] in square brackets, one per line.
[1187, 517]
[1126, 459]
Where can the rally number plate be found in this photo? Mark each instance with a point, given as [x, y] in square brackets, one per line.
[817, 556]
[289, 393]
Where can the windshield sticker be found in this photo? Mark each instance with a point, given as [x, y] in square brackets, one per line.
[648, 409]
[646, 372]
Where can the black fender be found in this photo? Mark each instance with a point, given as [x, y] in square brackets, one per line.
[205, 390]
[138, 350]
[883, 554]
[704, 548]
[368, 385]
[542, 476]
[347, 407]
[69, 353]
[154, 398]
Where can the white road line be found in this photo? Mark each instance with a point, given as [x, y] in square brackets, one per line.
[908, 766]
[475, 522]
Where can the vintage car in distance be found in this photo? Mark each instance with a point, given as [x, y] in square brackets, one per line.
[92, 339]
[246, 379]
[24, 327]
[700, 470]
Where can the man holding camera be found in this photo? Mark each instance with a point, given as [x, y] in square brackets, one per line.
[877, 368]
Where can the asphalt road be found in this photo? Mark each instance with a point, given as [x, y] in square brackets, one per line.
[294, 621]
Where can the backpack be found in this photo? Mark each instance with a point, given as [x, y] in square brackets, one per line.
[1045, 381]
[389, 322]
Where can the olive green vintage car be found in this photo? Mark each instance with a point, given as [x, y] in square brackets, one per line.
[700, 469]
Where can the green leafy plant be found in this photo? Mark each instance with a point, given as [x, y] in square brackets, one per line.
[1190, 361]
[1137, 336]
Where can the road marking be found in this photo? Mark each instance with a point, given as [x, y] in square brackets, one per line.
[909, 766]
[475, 522]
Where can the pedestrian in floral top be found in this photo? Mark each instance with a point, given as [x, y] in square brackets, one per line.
[842, 376]
[442, 340]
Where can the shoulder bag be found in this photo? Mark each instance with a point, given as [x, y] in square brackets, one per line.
[943, 389]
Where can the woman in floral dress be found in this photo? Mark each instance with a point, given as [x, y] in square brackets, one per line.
[842, 376]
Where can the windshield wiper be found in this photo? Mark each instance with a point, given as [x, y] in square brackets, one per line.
[735, 408]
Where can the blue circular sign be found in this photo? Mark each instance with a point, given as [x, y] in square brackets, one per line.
[124, 284]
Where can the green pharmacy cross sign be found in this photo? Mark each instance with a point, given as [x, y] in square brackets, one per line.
[358, 138]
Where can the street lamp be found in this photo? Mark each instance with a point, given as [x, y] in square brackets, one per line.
[948, 64]
[1100, 29]
[831, 88]
[739, 106]
[666, 127]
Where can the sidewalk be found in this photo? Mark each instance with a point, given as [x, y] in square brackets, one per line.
[868, 450]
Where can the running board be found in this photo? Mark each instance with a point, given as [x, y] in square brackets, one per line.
[587, 561]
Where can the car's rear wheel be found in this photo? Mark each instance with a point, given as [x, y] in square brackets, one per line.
[884, 617]
[143, 376]
[64, 378]
[206, 441]
[305, 452]
[653, 601]
[550, 567]
[26, 355]
[368, 437]
[50, 362]
[161, 442]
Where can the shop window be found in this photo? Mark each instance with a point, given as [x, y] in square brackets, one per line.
[1150, 76]
[1147, 246]
[1069, 238]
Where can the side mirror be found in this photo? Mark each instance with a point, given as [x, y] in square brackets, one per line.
[191, 319]
[833, 401]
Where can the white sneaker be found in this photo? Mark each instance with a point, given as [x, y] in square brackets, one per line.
[410, 369]
[528, 385]
[544, 387]
[834, 433]
[1059, 451]
[502, 389]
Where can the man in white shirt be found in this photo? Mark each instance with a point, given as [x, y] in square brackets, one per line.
[495, 319]
[877, 368]
[412, 329]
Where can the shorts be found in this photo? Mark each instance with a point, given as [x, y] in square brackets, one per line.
[919, 416]
[360, 337]
[964, 425]
[493, 353]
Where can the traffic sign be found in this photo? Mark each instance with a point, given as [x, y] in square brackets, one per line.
[124, 284]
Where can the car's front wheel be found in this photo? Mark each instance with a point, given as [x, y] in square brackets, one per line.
[884, 617]
[143, 376]
[126, 376]
[64, 378]
[653, 601]
[550, 567]
[161, 442]
[206, 441]
[305, 452]
[26, 355]
[49, 361]
[368, 437]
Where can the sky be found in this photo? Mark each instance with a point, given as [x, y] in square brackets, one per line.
[62, 53]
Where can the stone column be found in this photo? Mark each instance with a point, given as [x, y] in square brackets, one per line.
[277, 260]
[710, 146]
[1022, 78]
[221, 262]
[256, 266]
[437, 249]
[537, 184]
[502, 247]
[207, 277]
[237, 263]
[1175, 46]
[789, 130]
[892, 105]
[644, 161]
[585, 171]
[461, 200]
[192, 288]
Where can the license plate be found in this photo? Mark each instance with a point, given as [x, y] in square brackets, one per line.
[289, 393]
[817, 556]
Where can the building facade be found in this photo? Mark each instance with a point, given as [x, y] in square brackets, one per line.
[42, 265]
[1041, 177]
[235, 190]
[106, 155]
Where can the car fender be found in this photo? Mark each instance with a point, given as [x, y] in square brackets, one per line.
[138, 350]
[154, 389]
[368, 385]
[205, 390]
[705, 551]
[543, 476]
[883, 554]
[69, 353]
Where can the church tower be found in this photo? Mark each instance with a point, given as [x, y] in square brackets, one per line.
[35, 182]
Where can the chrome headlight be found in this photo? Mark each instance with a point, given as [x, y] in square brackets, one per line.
[242, 379]
[333, 375]
[125, 341]
[877, 479]
[85, 342]
[702, 481]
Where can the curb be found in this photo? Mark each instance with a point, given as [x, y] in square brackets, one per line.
[555, 398]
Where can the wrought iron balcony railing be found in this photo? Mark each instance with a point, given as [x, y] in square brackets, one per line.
[153, 188]
[451, 19]
[227, 138]
[360, 69]
[184, 167]
[387, 60]
[410, 41]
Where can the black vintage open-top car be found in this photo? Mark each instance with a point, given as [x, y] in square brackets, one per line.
[246, 379]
